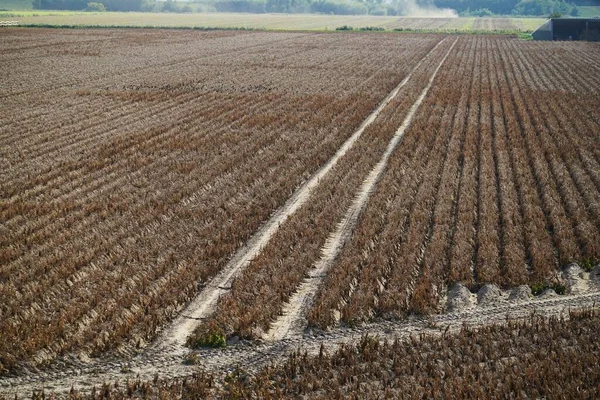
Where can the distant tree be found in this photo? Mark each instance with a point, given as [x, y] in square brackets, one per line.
[287, 6]
[464, 6]
[378, 11]
[248, 6]
[515, 7]
[128, 5]
[61, 4]
[96, 7]
[339, 7]
[482, 12]
[110, 5]
[170, 6]
[542, 7]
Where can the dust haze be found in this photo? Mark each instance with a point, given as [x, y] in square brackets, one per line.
[410, 8]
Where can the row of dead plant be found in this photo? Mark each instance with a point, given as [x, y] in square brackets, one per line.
[495, 192]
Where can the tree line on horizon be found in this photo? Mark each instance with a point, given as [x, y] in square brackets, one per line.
[344, 7]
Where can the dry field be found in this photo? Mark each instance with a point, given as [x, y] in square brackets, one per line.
[268, 21]
[533, 358]
[161, 184]
[497, 181]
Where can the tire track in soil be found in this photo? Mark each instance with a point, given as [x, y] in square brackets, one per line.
[293, 320]
[253, 356]
[204, 304]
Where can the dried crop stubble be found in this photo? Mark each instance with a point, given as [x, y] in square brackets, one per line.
[568, 147]
[560, 199]
[344, 273]
[525, 202]
[385, 228]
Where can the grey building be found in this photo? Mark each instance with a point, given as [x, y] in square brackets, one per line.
[569, 29]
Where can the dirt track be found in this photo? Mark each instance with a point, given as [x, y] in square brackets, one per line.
[167, 362]
[293, 320]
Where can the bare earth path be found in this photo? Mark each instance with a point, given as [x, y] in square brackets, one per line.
[168, 363]
[293, 320]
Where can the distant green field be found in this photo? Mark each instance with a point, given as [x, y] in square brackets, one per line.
[589, 11]
[15, 5]
[271, 21]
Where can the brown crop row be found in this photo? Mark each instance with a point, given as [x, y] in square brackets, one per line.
[496, 182]
[134, 173]
[136, 163]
